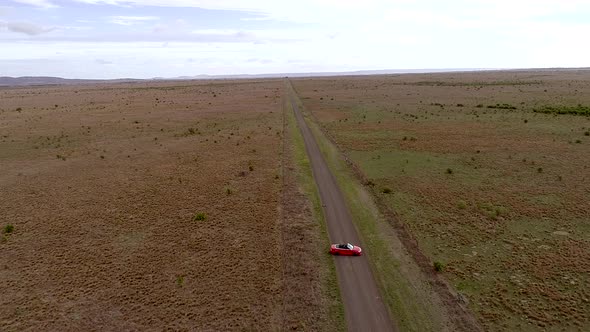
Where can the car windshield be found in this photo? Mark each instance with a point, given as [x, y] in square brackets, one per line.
[349, 246]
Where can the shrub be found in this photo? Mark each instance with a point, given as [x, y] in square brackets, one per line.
[502, 106]
[578, 141]
[449, 171]
[200, 216]
[587, 133]
[479, 105]
[370, 183]
[9, 228]
[386, 190]
[251, 168]
[438, 266]
[540, 170]
[500, 211]
[462, 204]
[573, 110]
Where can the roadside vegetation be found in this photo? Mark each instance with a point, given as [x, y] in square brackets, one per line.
[407, 295]
[333, 318]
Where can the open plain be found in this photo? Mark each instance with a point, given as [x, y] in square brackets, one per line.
[191, 204]
[156, 205]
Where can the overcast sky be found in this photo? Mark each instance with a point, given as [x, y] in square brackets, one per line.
[168, 38]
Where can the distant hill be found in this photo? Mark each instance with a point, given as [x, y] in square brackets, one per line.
[48, 80]
[327, 74]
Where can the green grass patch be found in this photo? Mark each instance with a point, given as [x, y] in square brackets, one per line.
[530, 227]
[468, 286]
[543, 200]
[472, 84]
[389, 164]
[492, 211]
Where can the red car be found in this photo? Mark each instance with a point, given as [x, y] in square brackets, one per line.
[345, 249]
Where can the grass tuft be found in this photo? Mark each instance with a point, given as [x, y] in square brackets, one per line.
[438, 266]
[199, 216]
[461, 204]
[9, 228]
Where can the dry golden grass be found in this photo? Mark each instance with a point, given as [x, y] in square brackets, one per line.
[102, 184]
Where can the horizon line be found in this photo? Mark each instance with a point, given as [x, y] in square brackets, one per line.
[302, 74]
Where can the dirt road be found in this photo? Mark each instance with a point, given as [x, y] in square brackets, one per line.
[364, 308]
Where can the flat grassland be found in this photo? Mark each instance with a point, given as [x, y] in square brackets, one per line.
[488, 171]
[155, 205]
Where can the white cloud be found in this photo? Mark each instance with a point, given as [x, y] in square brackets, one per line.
[177, 26]
[25, 28]
[304, 35]
[38, 3]
[356, 12]
[103, 62]
[4, 10]
[131, 20]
